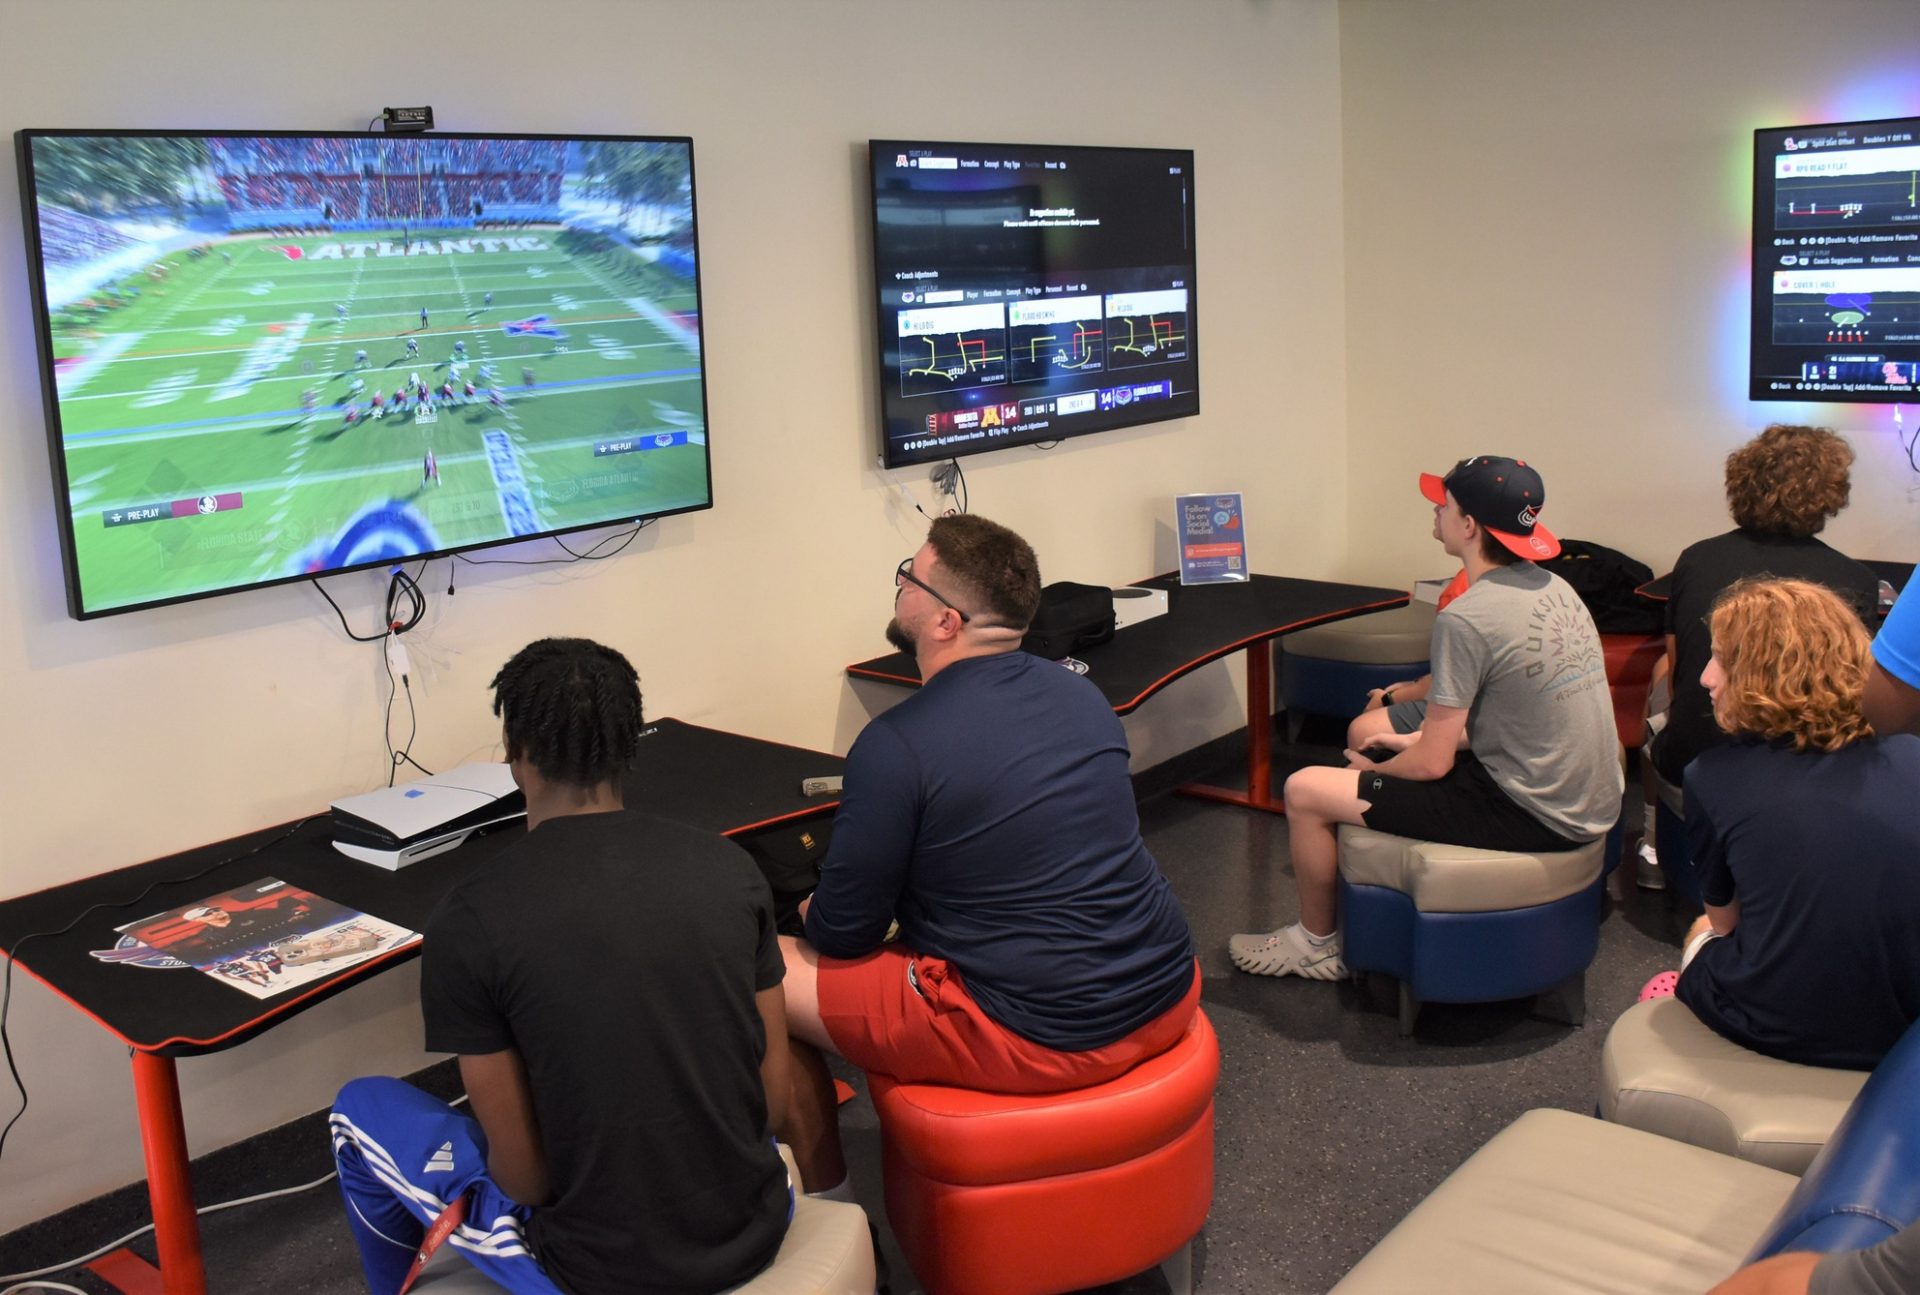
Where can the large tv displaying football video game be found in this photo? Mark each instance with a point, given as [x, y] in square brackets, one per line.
[269, 356]
[1030, 293]
[1836, 262]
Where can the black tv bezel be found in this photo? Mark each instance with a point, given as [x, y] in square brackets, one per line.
[43, 340]
[1760, 311]
[877, 148]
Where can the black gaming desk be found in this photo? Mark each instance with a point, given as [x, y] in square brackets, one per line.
[738, 786]
[1203, 623]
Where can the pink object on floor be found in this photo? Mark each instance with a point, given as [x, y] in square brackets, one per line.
[1661, 986]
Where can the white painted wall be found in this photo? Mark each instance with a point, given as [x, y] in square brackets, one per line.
[135, 736]
[1547, 215]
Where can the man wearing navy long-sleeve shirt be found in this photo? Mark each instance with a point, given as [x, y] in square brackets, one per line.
[991, 815]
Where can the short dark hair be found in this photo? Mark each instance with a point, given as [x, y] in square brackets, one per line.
[1789, 480]
[989, 566]
[1496, 553]
[571, 708]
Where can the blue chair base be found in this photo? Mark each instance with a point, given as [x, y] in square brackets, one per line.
[1471, 957]
[1319, 686]
[1616, 846]
[1670, 844]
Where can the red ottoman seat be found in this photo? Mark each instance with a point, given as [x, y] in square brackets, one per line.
[1025, 1194]
[1630, 659]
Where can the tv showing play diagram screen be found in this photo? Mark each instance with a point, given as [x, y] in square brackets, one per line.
[270, 356]
[1836, 262]
[1030, 293]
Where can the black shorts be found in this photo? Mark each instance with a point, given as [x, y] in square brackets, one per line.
[1466, 807]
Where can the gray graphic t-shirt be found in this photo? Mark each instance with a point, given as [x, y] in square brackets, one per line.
[1519, 653]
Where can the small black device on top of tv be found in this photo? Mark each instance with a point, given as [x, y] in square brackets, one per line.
[1029, 293]
[274, 355]
[1836, 262]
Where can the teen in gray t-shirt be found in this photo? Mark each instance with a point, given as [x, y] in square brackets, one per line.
[1519, 652]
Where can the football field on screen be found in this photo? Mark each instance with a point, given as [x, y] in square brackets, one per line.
[205, 426]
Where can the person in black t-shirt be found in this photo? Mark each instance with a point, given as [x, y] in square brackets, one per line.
[1782, 487]
[1805, 827]
[612, 987]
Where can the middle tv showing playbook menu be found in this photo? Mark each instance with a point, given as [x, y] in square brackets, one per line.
[1029, 293]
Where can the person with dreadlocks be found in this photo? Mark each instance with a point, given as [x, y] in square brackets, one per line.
[612, 987]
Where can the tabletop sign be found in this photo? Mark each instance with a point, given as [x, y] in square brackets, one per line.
[1213, 539]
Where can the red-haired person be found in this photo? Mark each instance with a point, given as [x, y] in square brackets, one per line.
[1782, 487]
[1805, 827]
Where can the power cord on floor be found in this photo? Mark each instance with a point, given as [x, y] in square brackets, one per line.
[90, 1256]
[26, 1281]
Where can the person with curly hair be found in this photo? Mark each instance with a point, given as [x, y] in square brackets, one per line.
[1782, 487]
[1805, 828]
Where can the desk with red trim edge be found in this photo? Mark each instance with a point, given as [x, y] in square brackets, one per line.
[1202, 624]
[738, 786]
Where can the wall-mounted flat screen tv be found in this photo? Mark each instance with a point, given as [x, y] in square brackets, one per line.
[1836, 262]
[269, 356]
[1030, 293]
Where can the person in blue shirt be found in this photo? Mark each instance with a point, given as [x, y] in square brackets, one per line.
[991, 816]
[1892, 700]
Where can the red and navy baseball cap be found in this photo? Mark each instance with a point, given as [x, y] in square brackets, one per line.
[1503, 495]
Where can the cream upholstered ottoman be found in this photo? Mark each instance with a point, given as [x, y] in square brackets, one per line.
[828, 1250]
[1458, 925]
[1663, 1071]
[1564, 1202]
[1329, 669]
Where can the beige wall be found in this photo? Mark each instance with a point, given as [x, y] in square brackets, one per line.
[134, 736]
[1547, 211]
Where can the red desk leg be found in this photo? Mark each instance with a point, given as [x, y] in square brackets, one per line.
[176, 1229]
[1259, 793]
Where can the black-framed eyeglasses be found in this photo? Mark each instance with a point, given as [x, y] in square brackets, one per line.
[903, 574]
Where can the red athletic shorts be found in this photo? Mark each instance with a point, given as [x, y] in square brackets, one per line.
[908, 1015]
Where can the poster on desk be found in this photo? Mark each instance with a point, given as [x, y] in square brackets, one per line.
[263, 938]
[1213, 539]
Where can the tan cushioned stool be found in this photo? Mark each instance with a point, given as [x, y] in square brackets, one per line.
[1663, 1071]
[1378, 638]
[1562, 1202]
[827, 1251]
[1458, 879]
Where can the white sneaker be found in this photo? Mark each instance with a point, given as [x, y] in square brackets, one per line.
[1287, 952]
[1646, 869]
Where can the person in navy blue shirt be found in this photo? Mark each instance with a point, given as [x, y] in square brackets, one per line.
[991, 816]
[1806, 828]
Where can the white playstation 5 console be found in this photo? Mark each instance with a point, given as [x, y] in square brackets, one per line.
[1132, 604]
[400, 825]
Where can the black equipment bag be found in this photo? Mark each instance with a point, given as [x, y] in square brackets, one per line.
[1606, 579]
[1071, 617]
[789, 858]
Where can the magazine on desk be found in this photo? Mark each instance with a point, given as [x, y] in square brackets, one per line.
[263, 938]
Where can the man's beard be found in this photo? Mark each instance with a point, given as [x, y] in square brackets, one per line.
[897, 636]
